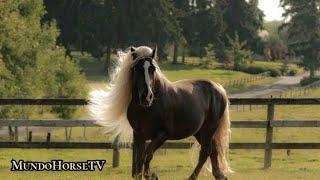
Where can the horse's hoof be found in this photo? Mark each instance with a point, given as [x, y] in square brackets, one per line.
[221, 178]
[154, 176]
[151, 176]
[138, 176]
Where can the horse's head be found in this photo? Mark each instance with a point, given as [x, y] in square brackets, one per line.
[144, 74]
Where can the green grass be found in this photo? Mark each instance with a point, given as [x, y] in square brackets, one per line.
[178, 72]
[278, 65]
[176, 164]
[173, 164]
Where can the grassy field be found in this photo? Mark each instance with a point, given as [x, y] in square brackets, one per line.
[176, 164]
[96, 78]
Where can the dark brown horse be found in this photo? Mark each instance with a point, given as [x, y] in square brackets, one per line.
[159, 110]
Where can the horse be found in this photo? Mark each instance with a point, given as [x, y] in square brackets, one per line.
[140, 102]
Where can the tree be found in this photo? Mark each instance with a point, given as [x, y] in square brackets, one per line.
[154, 23]
[239, 54]
[30, 59]
[245, 18]
[202, 24]
[97, 26]
[303, 23]
[66, 14]
[275, 41]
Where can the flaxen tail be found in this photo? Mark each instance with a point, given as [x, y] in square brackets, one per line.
[222, 138]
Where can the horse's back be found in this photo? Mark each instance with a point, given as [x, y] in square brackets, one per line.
[210, 95]
[194, 103]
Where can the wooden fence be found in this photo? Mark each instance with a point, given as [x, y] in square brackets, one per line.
[252, 78]
[268, 124]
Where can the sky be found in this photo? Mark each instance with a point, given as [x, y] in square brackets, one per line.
[271, 9]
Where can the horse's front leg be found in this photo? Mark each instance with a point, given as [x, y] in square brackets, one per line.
[139, 145]
[152, 147]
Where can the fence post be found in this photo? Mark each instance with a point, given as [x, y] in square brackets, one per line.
[116, 153]
[11, 134]
[48, 140]
[48, 137]
[16, 134]
[30, 136]
[269, 134]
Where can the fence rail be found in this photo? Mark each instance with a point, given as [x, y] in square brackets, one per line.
[91, 123]
[253, 78]
[233, 101]
[269, 124]
[168, 145]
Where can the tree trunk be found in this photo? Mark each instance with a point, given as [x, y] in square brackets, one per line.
[108, 60]
[183, 56]
[175, 53]
[68, 53]
[312, 72]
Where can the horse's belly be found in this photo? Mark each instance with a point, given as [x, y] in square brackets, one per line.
[185, 127]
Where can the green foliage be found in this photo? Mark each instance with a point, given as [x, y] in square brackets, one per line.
[92, 25]
[275, 68]
[275, 42]
[255, 69]
[304, 31]
[309, 80]
[239, 54]
[30, 60]
[292, 72]
[202, 24]
[245, 18]
[210, 55]
[70, 85]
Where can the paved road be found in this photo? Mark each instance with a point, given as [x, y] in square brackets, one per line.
[283, 83]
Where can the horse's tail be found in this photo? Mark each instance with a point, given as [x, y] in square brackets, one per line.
[221, 139]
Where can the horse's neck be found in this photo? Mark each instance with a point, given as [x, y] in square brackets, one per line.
[163, 85]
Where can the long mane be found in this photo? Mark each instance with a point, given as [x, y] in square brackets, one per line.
[109, 106]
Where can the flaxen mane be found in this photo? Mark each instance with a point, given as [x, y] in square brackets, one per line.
[109, 106]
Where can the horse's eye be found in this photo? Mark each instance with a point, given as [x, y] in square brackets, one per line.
[152, 69]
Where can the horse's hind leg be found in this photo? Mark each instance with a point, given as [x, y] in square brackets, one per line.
[215, 163]
[205, 151]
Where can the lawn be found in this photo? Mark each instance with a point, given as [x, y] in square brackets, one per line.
[95, 73]
[174, 164]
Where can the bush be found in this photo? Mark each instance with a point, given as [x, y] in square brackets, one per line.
[239, 54]
[307, 80]
[32, 65]
[274, 72]
[254, 69]
[292, 72]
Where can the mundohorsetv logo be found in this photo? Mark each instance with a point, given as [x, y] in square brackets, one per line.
[57, 165]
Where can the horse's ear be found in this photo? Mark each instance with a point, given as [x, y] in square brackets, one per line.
[154, 52]
[133, 53]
